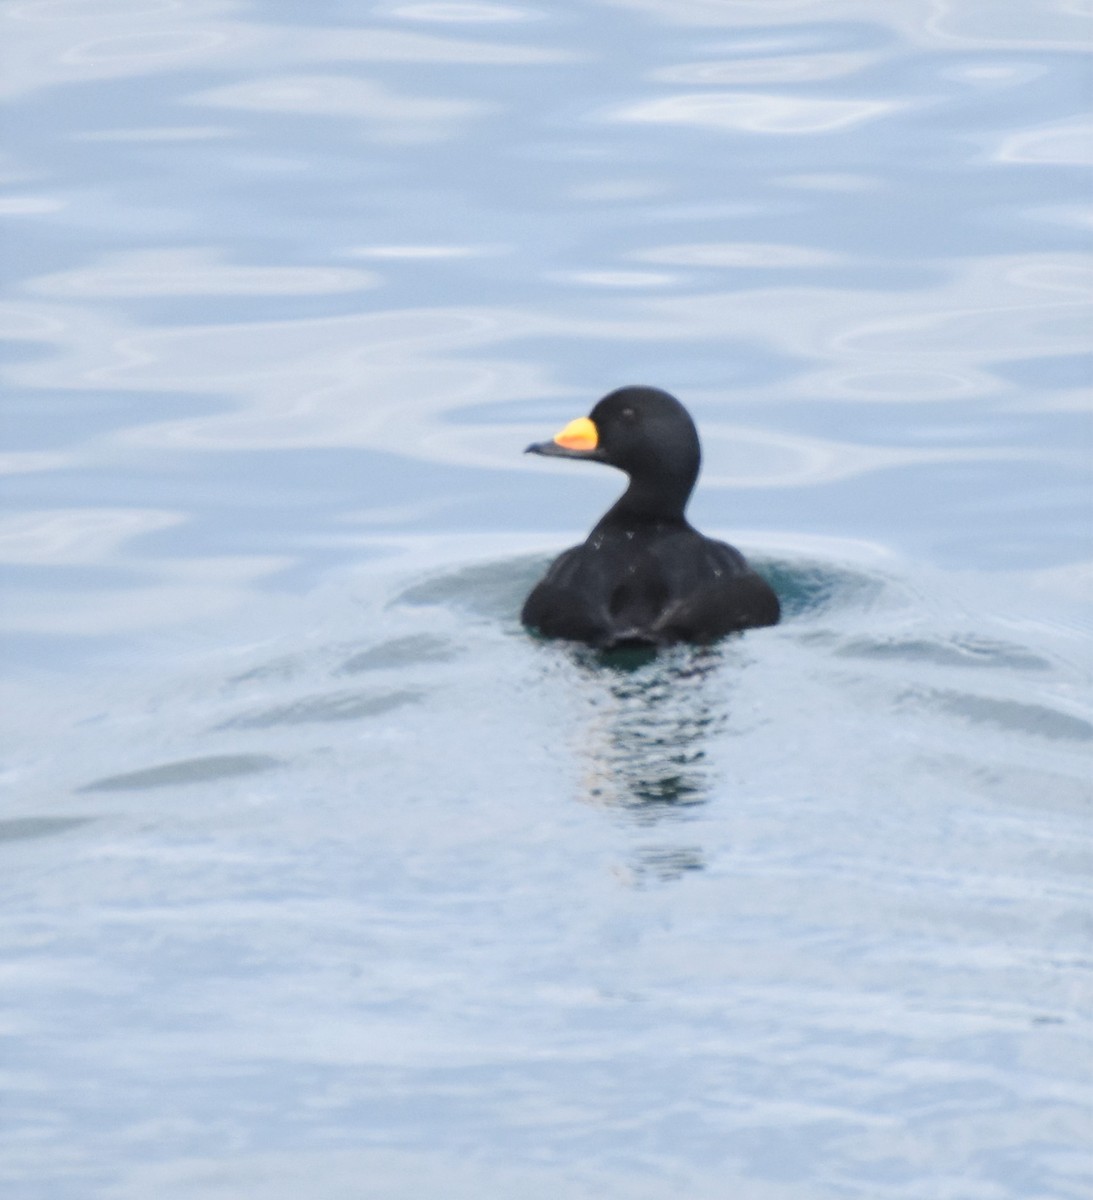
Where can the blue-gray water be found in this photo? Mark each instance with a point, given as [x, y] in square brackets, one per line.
[319, 877]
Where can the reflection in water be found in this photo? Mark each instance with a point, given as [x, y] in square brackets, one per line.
[979, 24]
[662, 864]
[464, 13]
[300, 383]
[77, 535]
[424, 252]
[770, 68]
[1068, 143]
[646, 747]
[755, 112]
[396, 114]
[615, 279]
[745, 255]
[172, 271]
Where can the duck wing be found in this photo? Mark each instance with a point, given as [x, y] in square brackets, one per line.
[714, 592]
[604, 592]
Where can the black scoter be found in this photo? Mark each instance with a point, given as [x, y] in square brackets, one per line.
[645, 575]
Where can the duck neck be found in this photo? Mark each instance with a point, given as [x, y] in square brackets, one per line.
[659, 501]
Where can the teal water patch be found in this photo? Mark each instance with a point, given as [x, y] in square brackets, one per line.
[809, 587]
[498, 588]
[491, 589]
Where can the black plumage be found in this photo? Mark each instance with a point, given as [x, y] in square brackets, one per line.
[645, 575]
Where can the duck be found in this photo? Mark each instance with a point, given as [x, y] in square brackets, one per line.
[644, 576]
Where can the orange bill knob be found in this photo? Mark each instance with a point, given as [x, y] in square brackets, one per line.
[580, 434]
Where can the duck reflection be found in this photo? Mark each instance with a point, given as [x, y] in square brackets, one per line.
[662, 864]
[647, 745]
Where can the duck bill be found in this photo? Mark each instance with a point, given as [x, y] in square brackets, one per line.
[553, 450]
[579, 439]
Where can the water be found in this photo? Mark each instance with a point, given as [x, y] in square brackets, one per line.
[320, 876]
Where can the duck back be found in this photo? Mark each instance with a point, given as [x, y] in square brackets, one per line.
[651, 584]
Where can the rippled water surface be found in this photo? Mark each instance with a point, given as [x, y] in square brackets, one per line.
[320, 877]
